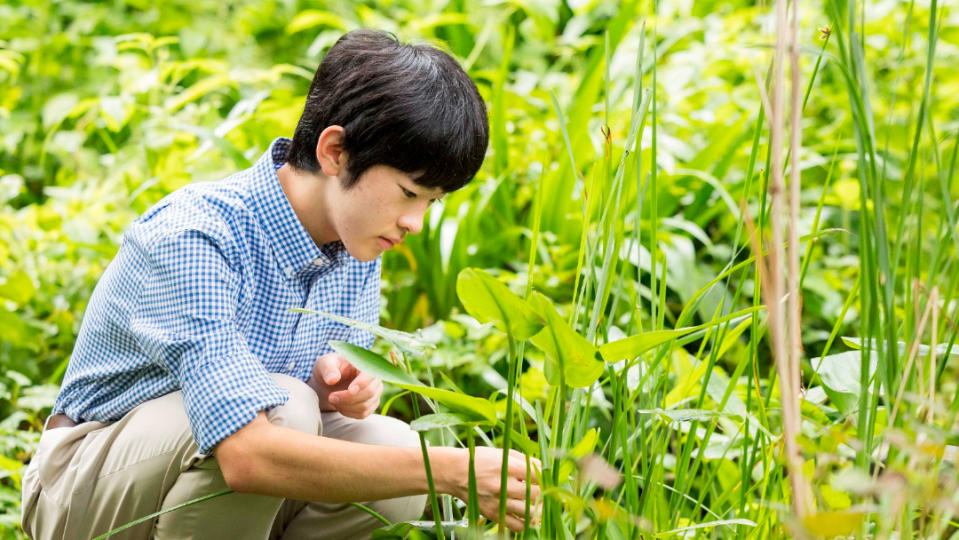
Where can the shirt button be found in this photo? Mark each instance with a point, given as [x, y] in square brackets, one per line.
[288, 271]
[291, 365]
[318, 261]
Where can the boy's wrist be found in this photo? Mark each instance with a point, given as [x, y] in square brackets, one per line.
[449, 466]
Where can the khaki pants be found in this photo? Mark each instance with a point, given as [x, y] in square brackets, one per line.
[86, 480]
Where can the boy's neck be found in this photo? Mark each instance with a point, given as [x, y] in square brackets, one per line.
[306, 193]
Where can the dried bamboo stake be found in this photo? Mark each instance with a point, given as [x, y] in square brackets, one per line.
[795, 179]
[787, 343]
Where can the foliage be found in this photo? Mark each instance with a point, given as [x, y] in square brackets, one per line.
[629, 148]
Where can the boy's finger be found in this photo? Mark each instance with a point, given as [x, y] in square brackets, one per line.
[361, 382]
[329, 368]
[347, 370]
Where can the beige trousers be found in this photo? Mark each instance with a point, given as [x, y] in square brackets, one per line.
[86, 480]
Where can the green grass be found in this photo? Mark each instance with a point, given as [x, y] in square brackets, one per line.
[630, 155]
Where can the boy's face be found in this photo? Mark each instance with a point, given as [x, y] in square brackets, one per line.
[382, 207]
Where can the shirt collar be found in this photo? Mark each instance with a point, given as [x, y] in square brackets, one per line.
[295, 251]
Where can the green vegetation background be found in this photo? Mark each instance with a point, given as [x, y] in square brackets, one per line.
[105, 107]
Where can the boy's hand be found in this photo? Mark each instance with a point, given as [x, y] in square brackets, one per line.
[489, 463]
[343, 388]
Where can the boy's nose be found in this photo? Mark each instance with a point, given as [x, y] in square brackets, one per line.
[412, 222]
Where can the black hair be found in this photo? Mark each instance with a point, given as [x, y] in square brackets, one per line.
[411, 107]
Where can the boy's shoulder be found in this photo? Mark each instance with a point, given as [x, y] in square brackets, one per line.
[222, 210]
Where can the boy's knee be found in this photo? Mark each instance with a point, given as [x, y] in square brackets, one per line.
[401, 508]
[302, 411]
[388, 431]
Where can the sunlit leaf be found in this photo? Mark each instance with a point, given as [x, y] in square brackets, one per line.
[311, 18]
[565, 349]
[840, 376]
[475, 408]
[405, 341]
[428, 422]
[488, 300]
[634, 346]
[831, 524]
[373, 364]
[18, 288]
[586, 445]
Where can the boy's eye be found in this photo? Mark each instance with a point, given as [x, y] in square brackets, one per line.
[409, 194]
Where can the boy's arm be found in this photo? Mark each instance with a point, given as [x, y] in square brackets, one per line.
[274, 460]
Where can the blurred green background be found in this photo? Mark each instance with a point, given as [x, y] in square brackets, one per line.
[107, 106]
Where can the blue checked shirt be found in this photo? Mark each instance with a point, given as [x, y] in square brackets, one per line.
[197, 300]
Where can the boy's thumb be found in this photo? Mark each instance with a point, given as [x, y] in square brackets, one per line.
[330, 371]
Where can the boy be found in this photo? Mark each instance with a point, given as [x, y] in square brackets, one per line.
[190, 375]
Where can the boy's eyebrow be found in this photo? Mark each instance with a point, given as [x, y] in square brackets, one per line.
[417, 188]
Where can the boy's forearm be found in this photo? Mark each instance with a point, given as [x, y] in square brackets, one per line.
[282, 462]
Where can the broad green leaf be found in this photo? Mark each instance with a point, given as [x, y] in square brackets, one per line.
[431, 22]
[374, 364]
[834, 498]
[684, 415]
[488, 300]
[312, 18]
[18, 288]
[634, 346]
[524, 444]
[941, 348]
[586, 445]
[115, 112]
[475, 408]
[198, 90]
[405, 341]
[381, 368]
[831, 524]
[9, 464]
[840, 374]
[57, 108]
[565, 349]
[428, 422]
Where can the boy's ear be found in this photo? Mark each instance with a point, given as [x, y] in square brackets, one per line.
[329, 151]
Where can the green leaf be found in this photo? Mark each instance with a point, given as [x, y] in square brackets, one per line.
[586, 445]
[199, 89]
[478, 410]
[830, 524]
[634, 346]
[488, 300]
[18, 288]
[374, 364]
[438, 421]
[835, 498]
[565, 349]
[57, 108]
[312, 18]
[941, 348]
[524, 444]
[381, 368]
[839, 374]
[10, 464]
[405, 341]
[683, 531]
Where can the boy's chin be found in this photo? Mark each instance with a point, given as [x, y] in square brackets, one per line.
[361, 254]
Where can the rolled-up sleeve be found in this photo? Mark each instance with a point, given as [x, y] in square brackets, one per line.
[185, 321]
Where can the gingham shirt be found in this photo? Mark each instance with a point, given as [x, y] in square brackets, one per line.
[197, 300]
